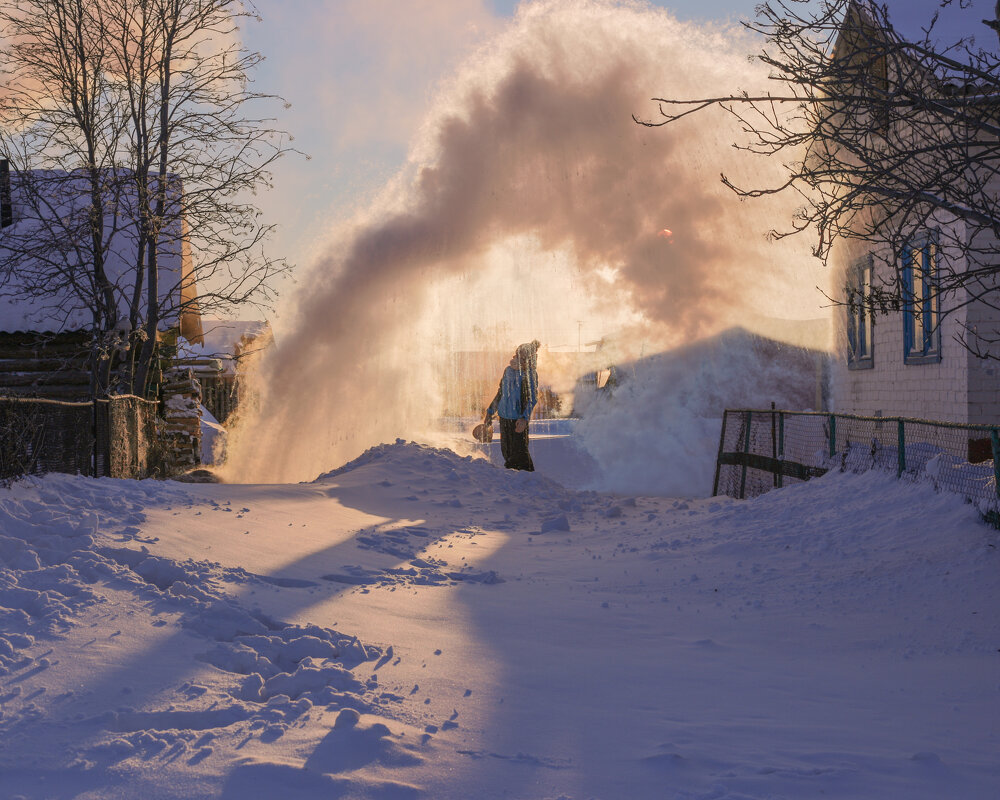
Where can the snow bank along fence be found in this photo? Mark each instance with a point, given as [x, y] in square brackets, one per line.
[114, 437]
[764, 449]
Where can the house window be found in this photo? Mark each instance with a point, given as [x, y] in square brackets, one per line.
[860, 325]
[880, 93]
[921, 331]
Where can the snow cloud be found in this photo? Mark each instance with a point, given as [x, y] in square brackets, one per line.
[528, 172]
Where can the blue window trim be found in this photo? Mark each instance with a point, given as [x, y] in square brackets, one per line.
[926, 306]
[860, 324]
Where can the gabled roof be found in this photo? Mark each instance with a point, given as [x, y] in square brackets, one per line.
[968, 47]
[955, 29]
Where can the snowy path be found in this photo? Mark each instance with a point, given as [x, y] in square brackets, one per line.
[421, 625]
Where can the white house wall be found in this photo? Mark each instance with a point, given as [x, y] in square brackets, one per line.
[984, 391]
[960, 388]
[892, 388]
[984, 374]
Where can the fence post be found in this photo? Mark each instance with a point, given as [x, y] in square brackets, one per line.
[833, 435]
[774, 444]
[746, 449]
[718, 458]
[995, 441]
[781, 445]
[901, 446]
[95, 438]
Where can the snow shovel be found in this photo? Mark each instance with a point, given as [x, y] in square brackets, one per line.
[483, 432]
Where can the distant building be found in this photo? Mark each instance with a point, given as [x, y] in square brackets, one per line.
[221, 360]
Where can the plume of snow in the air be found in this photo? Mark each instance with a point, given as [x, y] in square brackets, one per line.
[531, 201]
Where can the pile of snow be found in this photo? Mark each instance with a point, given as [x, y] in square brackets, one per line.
[455, 474]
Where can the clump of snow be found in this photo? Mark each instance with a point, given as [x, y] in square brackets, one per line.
[180, 403]
[213, 439]
[556, 523]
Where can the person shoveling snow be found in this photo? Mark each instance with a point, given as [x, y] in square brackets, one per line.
[514, 401]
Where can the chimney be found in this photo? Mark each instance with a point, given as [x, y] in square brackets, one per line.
[6, 206]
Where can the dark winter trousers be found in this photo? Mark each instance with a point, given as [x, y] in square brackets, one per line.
[514, 446]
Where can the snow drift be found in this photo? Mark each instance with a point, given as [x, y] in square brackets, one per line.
[656, 430]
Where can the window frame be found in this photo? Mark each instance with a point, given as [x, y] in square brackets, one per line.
[921, 317]
[860, 320]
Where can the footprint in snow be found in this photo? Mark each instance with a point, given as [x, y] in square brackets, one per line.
[351, 745]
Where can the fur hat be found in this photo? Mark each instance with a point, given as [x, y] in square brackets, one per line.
[528, 352]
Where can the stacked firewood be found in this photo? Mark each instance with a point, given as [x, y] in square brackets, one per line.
[182, 418]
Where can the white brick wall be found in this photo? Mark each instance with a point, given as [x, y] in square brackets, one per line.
[984, 375]
[939, 391]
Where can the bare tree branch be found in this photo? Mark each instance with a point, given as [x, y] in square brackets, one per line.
[881, 137]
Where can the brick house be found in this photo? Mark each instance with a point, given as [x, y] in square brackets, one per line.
[910, 362]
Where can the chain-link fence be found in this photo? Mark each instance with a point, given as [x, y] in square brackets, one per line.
[39, 436]
[115, 437]
[763, 449]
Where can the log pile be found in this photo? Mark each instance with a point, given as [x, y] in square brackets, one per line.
[182, 420]
[54, 366]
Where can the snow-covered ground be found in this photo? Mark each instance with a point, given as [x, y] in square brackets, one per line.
[421, 625]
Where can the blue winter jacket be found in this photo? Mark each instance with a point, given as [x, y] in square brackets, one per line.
[514, 399]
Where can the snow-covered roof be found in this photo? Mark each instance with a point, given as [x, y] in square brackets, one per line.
[221, 336]
[49, 209]
[228, 340]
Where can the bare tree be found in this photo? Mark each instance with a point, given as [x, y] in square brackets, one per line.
[56, 104]
[882, 137]
[199, 157]
[175, 156]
